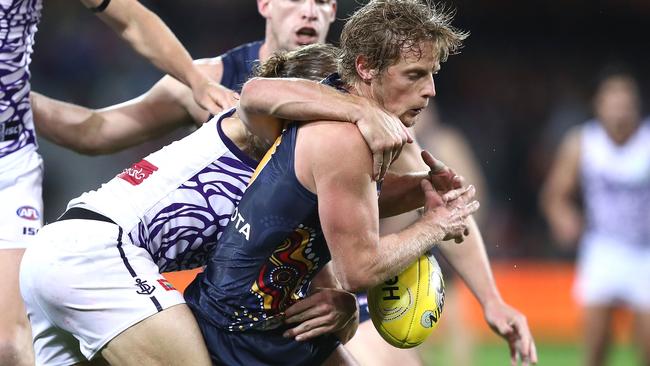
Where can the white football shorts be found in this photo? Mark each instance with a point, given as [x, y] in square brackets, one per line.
[21, 199]
[84, 283]
[611, 272]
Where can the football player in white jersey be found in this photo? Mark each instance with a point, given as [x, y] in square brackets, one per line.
[20, 165]
[606, 162]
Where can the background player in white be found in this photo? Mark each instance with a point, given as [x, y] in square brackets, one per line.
[605, 164]
[20, 164]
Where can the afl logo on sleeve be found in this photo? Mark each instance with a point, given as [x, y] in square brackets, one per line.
[28, 213]
[138, 172]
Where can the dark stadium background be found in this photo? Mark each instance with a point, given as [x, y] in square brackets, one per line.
[525, 76]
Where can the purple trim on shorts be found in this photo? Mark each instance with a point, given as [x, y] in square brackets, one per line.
[231, 145]
[156, 303]
[122, 255]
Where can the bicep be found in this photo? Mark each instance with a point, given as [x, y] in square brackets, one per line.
[348, 210]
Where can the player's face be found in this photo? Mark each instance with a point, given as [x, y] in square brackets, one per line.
[617, 107]
[405, 88]
[296, 23]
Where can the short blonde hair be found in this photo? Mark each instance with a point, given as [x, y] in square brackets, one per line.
[383, 30]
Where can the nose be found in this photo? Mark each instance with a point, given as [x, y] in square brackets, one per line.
[309, 9]
[429, 89]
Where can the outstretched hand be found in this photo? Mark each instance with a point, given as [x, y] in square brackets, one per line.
[214, 97]
[450, 210]
[385, 135]
[326, 310]
[510, 324]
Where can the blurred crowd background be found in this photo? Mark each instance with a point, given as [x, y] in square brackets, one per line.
[525, 76]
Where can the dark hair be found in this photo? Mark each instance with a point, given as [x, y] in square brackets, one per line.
[616, 70]
[312, 62]
[383, 29]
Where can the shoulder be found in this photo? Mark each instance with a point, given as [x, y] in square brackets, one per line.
[335, 138]
[333, 151]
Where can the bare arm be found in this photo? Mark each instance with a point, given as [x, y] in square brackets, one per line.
[558, 197]
[151, 38]
[165, 107]
[267, 102]
[348, 209]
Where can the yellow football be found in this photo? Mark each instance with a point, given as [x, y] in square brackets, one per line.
[407, 308]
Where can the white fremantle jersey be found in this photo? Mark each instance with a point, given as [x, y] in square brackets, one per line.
[18, 22]
[616, 185]
[176, 201]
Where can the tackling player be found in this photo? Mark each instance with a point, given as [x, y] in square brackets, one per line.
[20, 164]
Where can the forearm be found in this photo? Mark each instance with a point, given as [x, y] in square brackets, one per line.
[471, 262]
[299, 100]
[64, 124]
[151, 38]
[401, 193]
[391, 256]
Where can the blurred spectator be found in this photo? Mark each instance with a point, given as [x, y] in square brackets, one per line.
[605, 165]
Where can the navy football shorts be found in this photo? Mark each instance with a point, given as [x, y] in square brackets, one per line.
[253, 347]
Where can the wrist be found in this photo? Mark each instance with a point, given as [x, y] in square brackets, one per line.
[193, 77]
[434, 230]
[490, 299]
[356, 108]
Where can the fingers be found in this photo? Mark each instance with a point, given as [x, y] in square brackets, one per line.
[527, 350]
[307, 308]
[442, 177]
[434, 164]
[308, 330]
[431, 197]
[513, 354]
[533, 353]
[215, 98]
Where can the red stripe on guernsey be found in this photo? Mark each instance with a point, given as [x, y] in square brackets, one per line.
[166, 284]
[138, 172]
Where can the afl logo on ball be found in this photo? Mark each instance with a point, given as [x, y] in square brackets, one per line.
[28, 213]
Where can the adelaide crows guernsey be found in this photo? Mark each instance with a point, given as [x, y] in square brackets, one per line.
[238, 65]
[269, 252]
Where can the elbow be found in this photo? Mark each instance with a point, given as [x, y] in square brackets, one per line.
[248, 93]
[358, 279]
[92, 150]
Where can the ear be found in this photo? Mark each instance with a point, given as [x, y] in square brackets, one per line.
[264, 7]
[363, 70]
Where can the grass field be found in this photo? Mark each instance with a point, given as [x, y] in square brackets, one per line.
[496, 354]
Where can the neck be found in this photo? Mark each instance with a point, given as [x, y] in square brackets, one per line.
[362, 89]
[269, 46]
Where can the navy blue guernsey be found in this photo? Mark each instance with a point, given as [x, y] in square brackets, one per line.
[269, 252]
[238, 65]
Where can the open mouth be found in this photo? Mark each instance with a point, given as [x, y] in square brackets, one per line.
[306, 35]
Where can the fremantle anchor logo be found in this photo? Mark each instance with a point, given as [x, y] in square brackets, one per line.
[145, 288]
